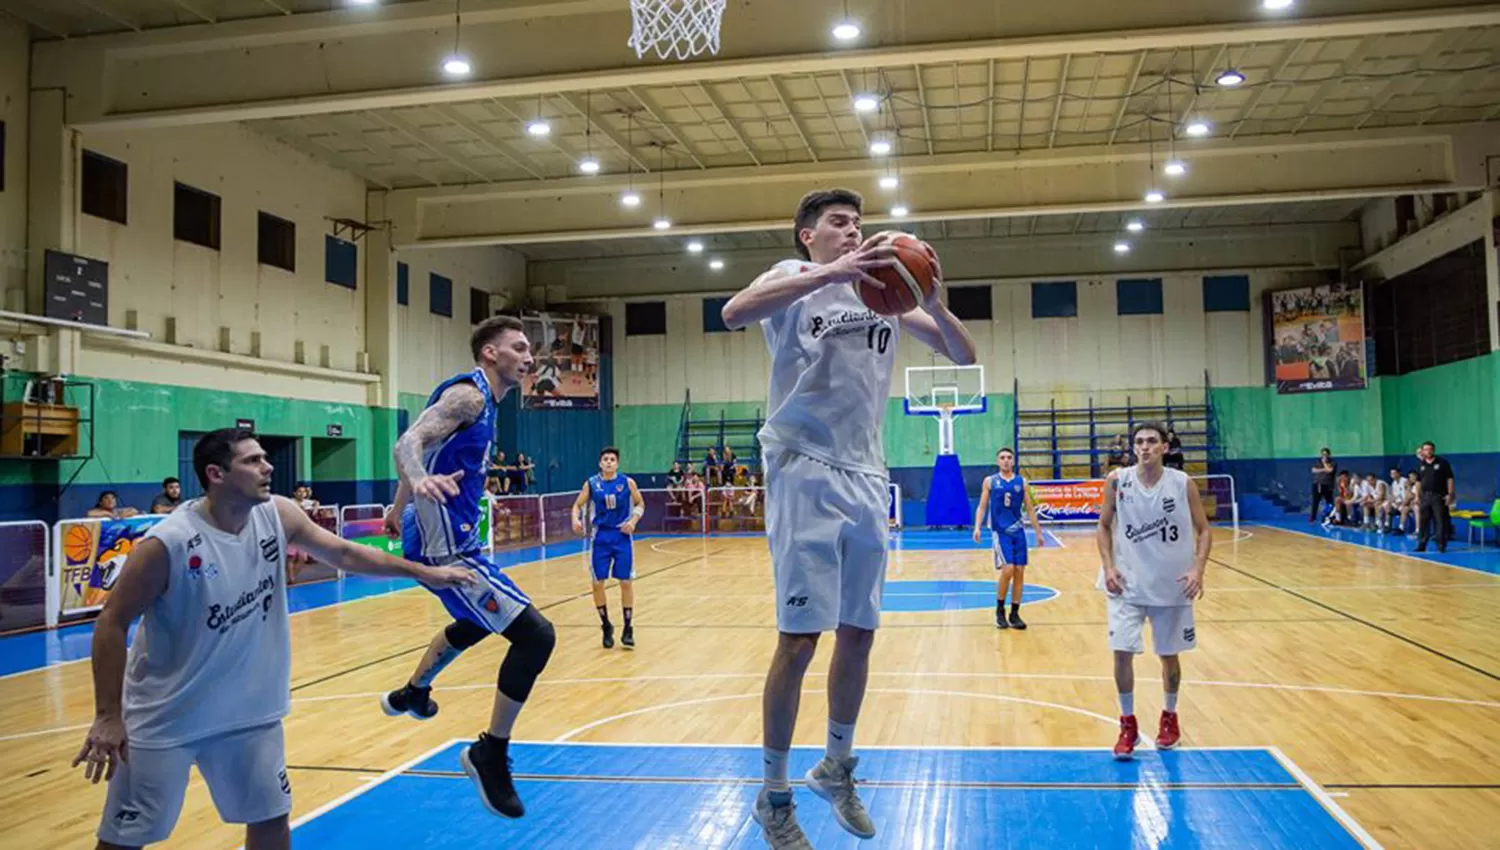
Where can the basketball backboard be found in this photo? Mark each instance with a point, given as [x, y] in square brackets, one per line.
[932, 389]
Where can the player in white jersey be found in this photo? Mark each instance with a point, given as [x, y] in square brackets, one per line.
[1376, 495]
[208, 678]
[827, 496]
[1154, 539]
[1399, 501]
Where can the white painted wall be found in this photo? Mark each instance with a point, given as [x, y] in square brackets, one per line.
[1096, 351]
[433, 347]
[13, 103]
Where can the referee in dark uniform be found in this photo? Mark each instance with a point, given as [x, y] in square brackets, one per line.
[1437, 493]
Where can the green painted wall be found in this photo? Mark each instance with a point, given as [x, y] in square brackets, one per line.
[647, 433]
[1456, 406]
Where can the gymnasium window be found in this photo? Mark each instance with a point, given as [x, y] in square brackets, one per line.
[645, 318]
[479, 305]
[105, 188]
[403, 284]
[340, 262]
[1138, 296]
[1054, 300]
[195, 216]
[277, 242]
[1228, 293]
[971, 303]
[713, 316]
[440, 295]
[1435, 314]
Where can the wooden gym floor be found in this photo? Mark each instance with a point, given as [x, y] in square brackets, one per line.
[1376, 674]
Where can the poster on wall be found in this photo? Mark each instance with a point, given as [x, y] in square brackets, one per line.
[566, 374]
[1318, 338]
[90, 557]
[1067, 501]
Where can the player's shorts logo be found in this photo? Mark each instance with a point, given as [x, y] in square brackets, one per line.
[489, 604]
[127, 816]
[1189, 634]
[796, 602]
[286, 784]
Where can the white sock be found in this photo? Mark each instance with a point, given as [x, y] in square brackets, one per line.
[1171, 701]
[840, 739]
[1127, 704]
[775, 763]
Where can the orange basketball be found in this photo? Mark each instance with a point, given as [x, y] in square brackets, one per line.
[907, 283]
[78, 544]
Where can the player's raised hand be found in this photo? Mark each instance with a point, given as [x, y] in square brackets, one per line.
[441, 577]
[439, 488]
[104, 749]
[855, 266]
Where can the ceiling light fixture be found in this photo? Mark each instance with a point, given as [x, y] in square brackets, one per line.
[1175, 168]
[880, 147]
[1276, 5]
[890, 181]
[630, 199]
[900, 211]
[716, 264]
[457, 65]
[1122, 247]
[588, 165]
[846, 30]
[866, 103]
[662, 223]
[1155, 197]
[1135, 226]
[695, 247]
[538, 127]
[1229, 78]
[1197, 129]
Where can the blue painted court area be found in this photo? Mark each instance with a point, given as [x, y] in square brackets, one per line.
[629, 796]
[951, 595]
[34, 650]
[943, 540]
[1484, 559]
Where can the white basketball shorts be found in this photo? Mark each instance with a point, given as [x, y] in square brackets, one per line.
[1172, 630]
[245, 771]
[828, 529]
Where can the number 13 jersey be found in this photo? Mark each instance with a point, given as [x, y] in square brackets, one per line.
[831, 364]
[1153, 537]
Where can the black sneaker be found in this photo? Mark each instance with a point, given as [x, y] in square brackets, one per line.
[1000, 620]
[1016, 622]
[416, 702]
[609, 636]
[627, 637]
[487, 762]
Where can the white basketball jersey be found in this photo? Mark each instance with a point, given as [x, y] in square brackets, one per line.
[1398, 490]
[1153, 537]
[831, 363]
[214, 651]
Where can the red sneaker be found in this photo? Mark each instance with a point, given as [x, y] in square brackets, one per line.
[1169, 734]
[1130, 733]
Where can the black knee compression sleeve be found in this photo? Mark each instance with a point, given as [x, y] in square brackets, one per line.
[462, 634]
[531, 639]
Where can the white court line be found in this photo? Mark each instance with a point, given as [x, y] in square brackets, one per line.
[39, 732]
[382, 778]
[1327, 802]
[563, 738]
[1407, 556]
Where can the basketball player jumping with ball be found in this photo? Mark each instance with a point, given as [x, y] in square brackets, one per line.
[827, 490]
[1154, 539]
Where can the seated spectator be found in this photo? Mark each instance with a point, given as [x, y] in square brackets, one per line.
[1119, 454]
[169, 497]
[108, 507]
[303, 496]
[728, 462]
[696, 488]
[500, 468]
[675, 479]
[712, 472]
[525, 474]
[1174, 457]
[492, 485]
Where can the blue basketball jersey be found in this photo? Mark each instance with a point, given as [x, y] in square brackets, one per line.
[437, 532]
[1006, 498]
[611, 501]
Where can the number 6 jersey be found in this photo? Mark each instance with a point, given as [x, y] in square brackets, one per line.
[1153, 537]
[831, 364]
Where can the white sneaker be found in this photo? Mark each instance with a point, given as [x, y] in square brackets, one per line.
[834, 782]
[778, 820]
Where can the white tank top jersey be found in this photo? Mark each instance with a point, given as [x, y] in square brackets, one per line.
[831, 364]
[1398, 490]
[1153, 537]
[214, 651]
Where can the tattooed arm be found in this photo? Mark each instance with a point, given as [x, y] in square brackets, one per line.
[458, 407]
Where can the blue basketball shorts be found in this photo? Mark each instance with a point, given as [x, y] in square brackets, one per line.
[1010, 548]
[494, 603]
[612, 554]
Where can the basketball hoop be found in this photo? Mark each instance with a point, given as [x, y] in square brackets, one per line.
[675, 29]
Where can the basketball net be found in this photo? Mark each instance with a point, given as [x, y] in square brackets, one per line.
[675, 29]
[945, 429]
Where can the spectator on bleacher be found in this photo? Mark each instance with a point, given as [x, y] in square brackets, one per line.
[303, 496]
[1174, 458]
[108, 507]
[492, 485]
[1437, 493]
[1119, 453]
[675, 477]
[676, 493]
[525, 474]
[169, 498]
[712, 473]
[1322, 483]
[500, 468]
[729, 463]
[696, 488]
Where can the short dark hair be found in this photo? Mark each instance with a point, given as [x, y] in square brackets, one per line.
[168, 482]
[811, 207]
[216, 448]
[489, 330]
[1160, 429]
[1324, 451]
[1426, 443]
[609, 450]
[1004, 449]
[107, 493]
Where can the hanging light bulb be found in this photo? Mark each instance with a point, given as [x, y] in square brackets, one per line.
[1229, 78]
[890, 181]
[1135, 226]
[866, 103]
[1155, 197]
[1175, 168]
[457, 65]
[1122, 247]
[630, 199]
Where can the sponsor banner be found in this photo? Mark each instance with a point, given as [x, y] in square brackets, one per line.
[1318, 338]
[91, 554]
[1067, 501]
